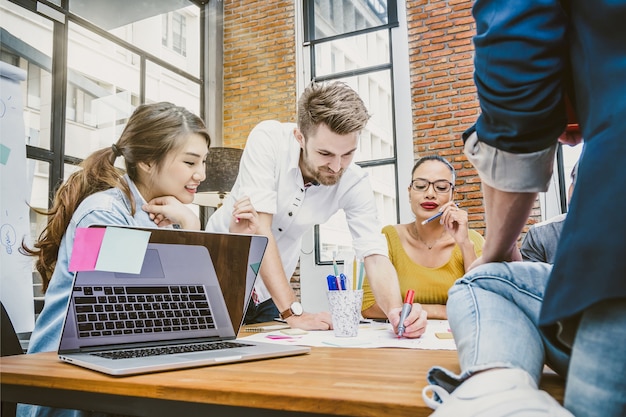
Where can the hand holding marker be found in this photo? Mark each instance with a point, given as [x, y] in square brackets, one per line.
[436, 216]
[406, 310]
[431, 218]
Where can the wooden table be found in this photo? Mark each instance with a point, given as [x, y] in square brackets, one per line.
[328, 381]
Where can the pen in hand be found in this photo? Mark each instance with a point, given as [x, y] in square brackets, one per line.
[436, 216]
[431, 218]
[406, 309]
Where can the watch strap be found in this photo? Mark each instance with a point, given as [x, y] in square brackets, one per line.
[286, 314]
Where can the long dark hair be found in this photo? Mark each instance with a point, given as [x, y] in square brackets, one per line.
[152, 131]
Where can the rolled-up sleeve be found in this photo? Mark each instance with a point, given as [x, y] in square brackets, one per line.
[507, 171]
[521, 56]
[259, 167]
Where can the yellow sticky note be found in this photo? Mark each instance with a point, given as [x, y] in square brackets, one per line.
[294, 332]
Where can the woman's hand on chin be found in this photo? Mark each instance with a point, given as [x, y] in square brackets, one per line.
[168, 210]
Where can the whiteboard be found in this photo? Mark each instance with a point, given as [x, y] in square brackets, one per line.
[16, 282]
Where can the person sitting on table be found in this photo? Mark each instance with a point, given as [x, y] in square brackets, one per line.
[429, 257]
[299, 175]
[510, 318]
[164, 147]
[542, 239]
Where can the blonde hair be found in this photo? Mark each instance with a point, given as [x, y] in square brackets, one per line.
[335, 104]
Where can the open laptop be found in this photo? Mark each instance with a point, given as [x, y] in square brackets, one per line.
[184, 309]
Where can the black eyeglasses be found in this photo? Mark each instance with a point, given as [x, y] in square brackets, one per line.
[440, 186]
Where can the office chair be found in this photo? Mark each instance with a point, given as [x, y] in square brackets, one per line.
[10, 342]
[10, 346]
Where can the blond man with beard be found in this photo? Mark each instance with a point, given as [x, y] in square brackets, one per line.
[299, 175]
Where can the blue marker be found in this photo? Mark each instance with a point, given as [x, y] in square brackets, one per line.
[431, 218]
[332, 283]
[436, 216]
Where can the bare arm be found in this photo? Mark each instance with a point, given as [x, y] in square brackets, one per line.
[469, 254]
[455, 221]
[384, 282]
[506, 213]
[433, 311]
[276, 281]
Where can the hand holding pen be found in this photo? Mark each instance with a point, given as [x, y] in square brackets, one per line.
[453, 206]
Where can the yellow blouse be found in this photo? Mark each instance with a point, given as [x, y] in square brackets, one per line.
[430, 284]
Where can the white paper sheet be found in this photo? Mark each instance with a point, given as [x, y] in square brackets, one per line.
[371, 335]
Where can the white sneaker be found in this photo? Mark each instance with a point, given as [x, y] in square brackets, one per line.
[494, 393]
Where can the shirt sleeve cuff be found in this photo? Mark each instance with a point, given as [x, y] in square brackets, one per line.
[511, 172]
[373, 245]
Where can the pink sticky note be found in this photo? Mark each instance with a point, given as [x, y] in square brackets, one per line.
[87, 242]
[278, 337]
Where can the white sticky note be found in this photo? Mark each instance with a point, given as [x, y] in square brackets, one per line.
[123, 250]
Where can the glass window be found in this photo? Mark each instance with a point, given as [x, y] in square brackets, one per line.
[165, 85]
[179, 33]
[351, 43]
[334, 236]
[29, 47]
[39, 193]
[352, 53]
[334, 17]
[102, 79]
[377, 139]
[166, 29]
[571, 154]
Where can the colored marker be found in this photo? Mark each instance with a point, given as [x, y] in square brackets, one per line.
[436, 216]
[361, 275]
[406, 309]
[431, 218]
[342, 281]
[335, 268]
[332, 283]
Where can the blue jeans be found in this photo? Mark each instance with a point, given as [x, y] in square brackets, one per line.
[493, 313]
[261, 313]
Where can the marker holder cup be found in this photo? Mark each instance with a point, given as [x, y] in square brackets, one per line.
[345, 309]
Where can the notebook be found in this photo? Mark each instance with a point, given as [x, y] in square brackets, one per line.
[184, 309]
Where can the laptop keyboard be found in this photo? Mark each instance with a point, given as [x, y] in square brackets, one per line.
[168, 350]
[118, 310]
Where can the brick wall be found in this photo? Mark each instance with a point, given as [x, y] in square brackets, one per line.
[444, 97]
[259, 69]
[259, 65]
[260, 79]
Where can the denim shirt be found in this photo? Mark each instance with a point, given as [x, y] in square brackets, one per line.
[110, 207]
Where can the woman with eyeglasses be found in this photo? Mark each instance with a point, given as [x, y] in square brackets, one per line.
[429, 256]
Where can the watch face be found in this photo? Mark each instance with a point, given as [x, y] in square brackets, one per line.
[297, 309]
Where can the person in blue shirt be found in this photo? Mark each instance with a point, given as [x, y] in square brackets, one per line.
[542, 239]
[164, 148]
[510, 318]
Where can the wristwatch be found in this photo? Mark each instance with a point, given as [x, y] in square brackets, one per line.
[295, 309]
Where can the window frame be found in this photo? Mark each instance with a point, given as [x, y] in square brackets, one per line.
[61, 16]
[396, 28]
